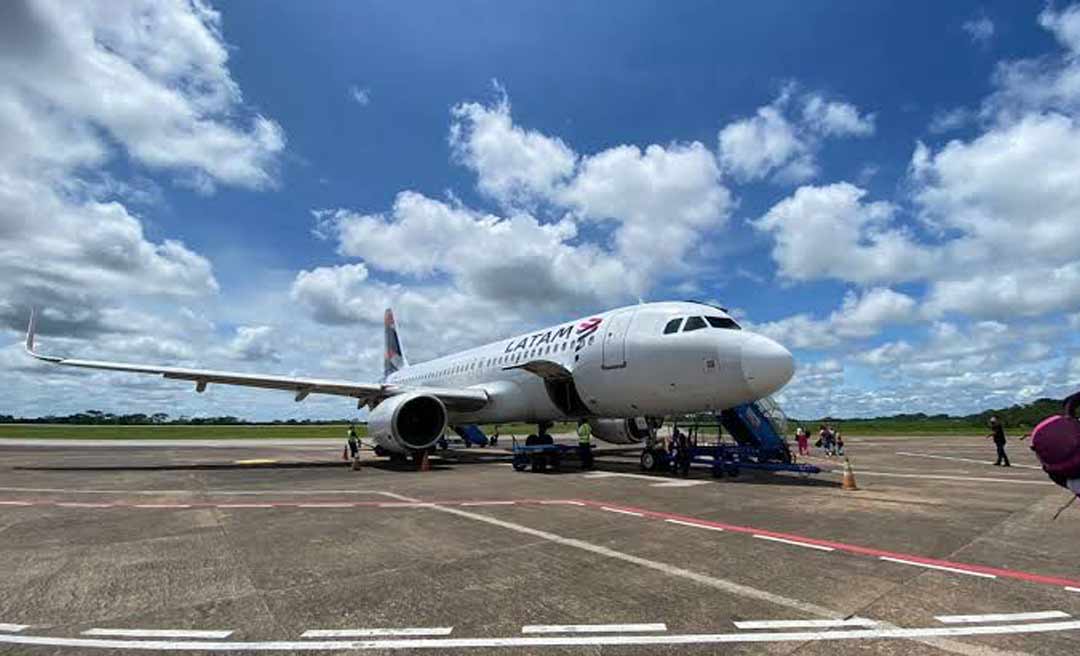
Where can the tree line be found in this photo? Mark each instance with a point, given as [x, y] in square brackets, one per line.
[99, 418]
[1024, 416]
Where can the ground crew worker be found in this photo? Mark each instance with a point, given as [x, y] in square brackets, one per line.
[354, 442]
[682, 454]
[997, 431]
[584, 436]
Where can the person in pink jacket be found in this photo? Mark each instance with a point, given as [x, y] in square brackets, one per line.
[1056, 443]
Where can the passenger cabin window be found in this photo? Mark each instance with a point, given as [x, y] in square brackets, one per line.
[672, 326]
[723, 322]
[694, 323]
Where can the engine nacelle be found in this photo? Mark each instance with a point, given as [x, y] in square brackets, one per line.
[624, 431]
[407, 422]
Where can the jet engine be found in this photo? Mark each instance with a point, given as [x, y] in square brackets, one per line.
[407, 422]
[624, 431]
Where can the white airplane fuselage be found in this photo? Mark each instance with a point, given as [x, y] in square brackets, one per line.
[619, 363]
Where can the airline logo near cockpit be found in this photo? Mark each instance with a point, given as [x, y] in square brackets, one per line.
[584, 330]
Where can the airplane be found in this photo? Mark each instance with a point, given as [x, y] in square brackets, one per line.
[622, 370]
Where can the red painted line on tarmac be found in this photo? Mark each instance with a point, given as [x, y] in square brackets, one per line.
[317, 504]
[849, 548]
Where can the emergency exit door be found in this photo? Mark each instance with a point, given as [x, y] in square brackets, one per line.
[615, 339]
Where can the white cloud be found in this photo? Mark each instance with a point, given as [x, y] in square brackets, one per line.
[829, 232]
[1009, 196]
[337, 295]
[654, 203]
[859, 317]
[752, 148]
[835, 118]
[91, 89]
[980, 29]
[361, 96]
[771, 143]
[254, 344]
[512, 164]
[1065, 25]
[661, 199]
[84, 83]
[950, 120]
[152, 75]
[516, 260]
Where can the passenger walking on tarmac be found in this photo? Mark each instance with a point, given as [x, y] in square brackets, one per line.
[353, 442]
[838, 446]
[584, 436]
[803, 440]
[997, 432]
[494, 440]
[825, 440]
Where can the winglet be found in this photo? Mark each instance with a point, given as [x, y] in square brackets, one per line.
[30, 330]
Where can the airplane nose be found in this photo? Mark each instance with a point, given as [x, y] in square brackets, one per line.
[766, 365]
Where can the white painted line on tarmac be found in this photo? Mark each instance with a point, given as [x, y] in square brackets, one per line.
[806, 624]
[662, 567]
[941, 477]
[793, 542]
[657, 481]
[74, 504]
[621, 511]
[369, 633]
[1002, 617]
[562, 503]
[158, 633]
[206, 492]
[161, 505]
[593, 628]
[934, 635]
[16, 503]
[244, 505]
[1071, 589]
[489, 503]
[724, 585]
[13, 628]
[682, 523]
[324, 505]
[979, 462]
[939, 567]
[411, 504]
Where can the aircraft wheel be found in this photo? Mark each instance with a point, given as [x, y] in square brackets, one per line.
[648, 460]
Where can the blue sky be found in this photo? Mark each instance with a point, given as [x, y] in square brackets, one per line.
[884, 188]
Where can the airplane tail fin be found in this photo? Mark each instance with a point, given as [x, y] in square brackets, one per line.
[394, 357]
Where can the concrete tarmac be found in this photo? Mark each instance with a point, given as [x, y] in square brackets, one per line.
[118, 548]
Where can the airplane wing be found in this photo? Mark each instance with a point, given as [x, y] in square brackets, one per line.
[463, 399]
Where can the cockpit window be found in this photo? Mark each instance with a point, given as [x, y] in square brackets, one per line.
[723, 322]
[693, 323]
[672, 326]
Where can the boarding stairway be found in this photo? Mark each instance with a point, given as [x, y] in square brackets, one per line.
[757, 429]
[759, 426]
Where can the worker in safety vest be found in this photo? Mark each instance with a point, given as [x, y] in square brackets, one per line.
[353, 442]
[584, 436]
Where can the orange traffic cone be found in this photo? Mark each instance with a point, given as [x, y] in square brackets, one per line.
[849, 476]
